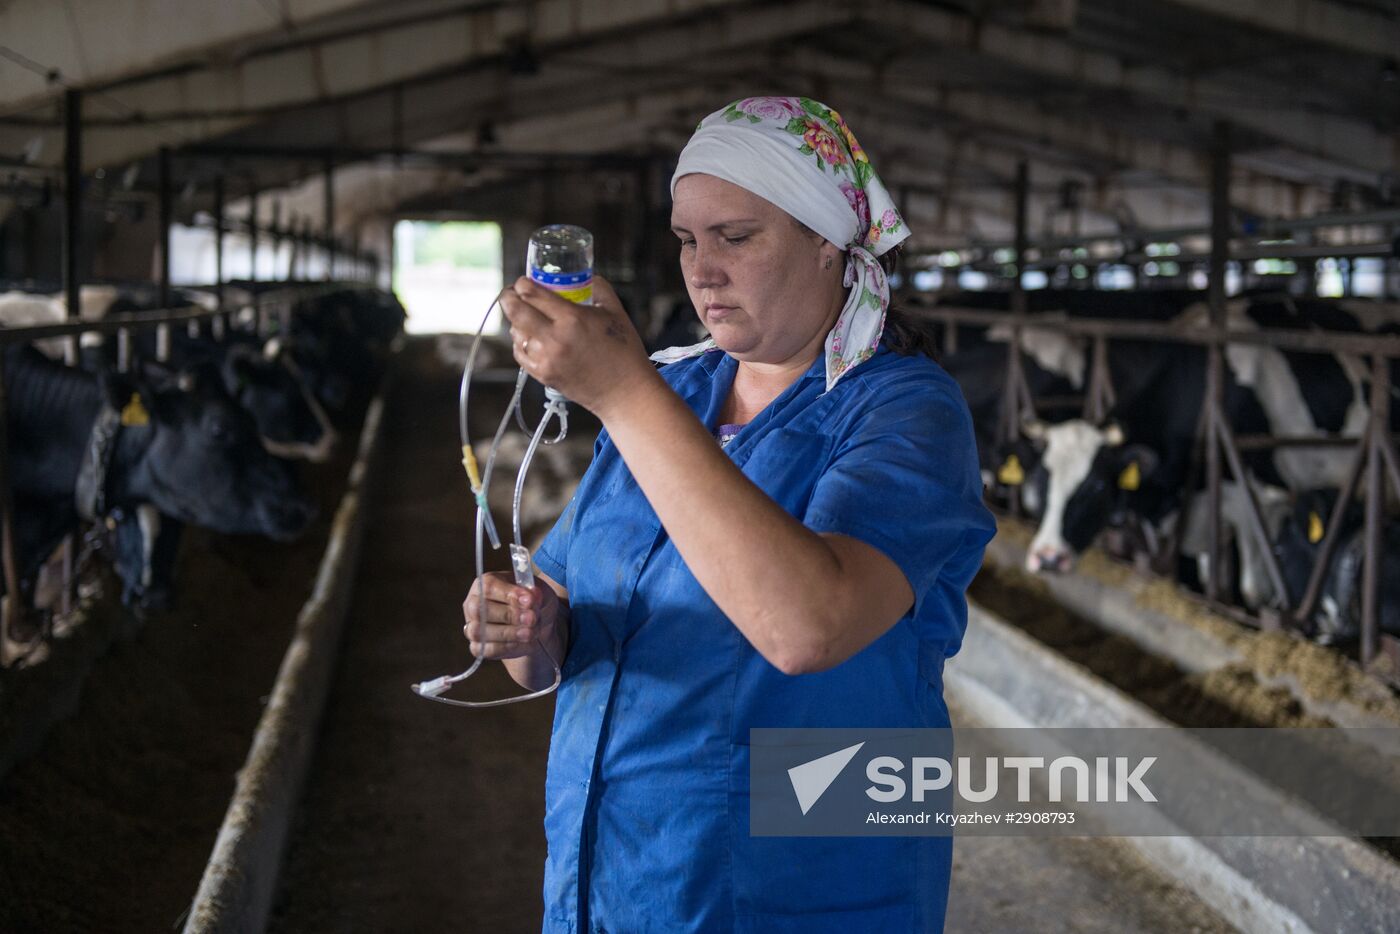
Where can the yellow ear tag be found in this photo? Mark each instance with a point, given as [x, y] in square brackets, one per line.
[1130, 478]
[1315, 529]
[134, 413]
[1010, 473]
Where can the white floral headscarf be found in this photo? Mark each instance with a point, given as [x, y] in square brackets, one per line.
[799, 155]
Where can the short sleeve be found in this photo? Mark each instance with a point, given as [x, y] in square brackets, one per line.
[549, 557]
[905, 480]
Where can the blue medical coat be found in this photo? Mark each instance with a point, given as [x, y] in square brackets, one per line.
[647, 809]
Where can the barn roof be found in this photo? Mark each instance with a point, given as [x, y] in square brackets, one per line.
[1114, 105]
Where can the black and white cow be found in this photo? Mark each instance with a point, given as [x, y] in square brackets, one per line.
[980, 372]
[1055, 364]
[1242, 553]
[1159, 401]
[83, 444]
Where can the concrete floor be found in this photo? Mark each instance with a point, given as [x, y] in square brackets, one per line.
[1071, 884]
[1080, 884]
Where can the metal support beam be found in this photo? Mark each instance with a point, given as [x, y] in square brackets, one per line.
[396, 119]
[450, 62]
[1022, 235]
[294, 254]
[167, 201]
[1220, 223]
[218, 325]
[329, 216]
[72, 199]
[1375, 510]
[72, 287]
[276, 238]
[1215, 377]
[253, 235]
[104, 44]
[12, 605]
[304, 238]
[225, 94]
[1088, 137]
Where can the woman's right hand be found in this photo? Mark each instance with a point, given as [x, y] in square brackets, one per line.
[518, 622]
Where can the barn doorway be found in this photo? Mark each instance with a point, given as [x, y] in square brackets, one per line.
[447, 273]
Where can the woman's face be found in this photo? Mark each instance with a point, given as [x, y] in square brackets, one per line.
[756, 279]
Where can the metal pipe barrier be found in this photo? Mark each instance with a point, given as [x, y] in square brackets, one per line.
[1374, 449]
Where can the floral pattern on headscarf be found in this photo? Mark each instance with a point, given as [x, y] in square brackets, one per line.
[830, 155]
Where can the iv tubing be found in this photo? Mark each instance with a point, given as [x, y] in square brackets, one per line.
[553, 408]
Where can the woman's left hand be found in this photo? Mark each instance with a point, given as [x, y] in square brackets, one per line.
[590, 353]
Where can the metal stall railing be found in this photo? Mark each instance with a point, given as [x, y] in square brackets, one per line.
[1374, 450]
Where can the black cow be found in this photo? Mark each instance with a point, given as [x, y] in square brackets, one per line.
[340, 342]
[289, 419]
[1337, 617]
[171, 439]
[290, 424]
[336, 342]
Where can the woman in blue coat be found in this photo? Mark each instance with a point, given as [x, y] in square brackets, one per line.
[777, 530]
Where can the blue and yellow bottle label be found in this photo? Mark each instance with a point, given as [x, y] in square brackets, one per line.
[576, 287]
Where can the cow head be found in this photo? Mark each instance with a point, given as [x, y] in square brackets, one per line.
[1090, 475]
[290, 420]
[314, 361]
[194, 454]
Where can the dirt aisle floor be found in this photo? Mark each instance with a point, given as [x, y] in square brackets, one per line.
[418, 816]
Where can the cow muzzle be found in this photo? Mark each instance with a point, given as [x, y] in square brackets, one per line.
[1049, 559]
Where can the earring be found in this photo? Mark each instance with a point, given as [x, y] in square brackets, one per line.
[828, 263]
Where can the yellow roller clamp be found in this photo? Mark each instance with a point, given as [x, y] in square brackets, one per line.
[469, 462]
[473, 476]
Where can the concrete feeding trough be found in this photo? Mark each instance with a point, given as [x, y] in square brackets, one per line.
[1005, 678]
[240, 880]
